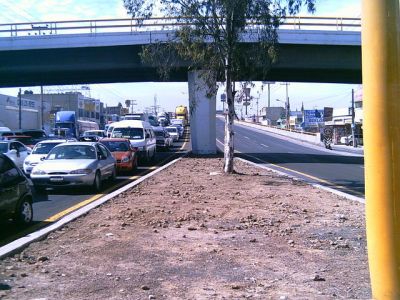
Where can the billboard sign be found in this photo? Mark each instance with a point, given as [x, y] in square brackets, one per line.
[313, 117]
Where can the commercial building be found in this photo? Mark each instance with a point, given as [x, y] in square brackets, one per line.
[86, 108]
[32, 116]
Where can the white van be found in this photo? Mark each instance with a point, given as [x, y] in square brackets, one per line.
[140, 134]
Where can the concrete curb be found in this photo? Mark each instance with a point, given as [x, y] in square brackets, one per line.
[333, 191]
[23, 242]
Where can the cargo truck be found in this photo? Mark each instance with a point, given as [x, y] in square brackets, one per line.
[67, 125]
[181, 113]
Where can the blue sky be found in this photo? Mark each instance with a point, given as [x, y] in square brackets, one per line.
[170, 95]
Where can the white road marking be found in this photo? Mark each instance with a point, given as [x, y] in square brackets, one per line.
[264, 145]
[246, 137]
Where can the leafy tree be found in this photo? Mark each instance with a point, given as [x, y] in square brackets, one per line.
[211, 38]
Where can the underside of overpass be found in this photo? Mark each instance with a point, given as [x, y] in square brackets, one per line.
[296, 63]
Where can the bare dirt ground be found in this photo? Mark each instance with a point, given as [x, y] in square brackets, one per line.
[190, 232]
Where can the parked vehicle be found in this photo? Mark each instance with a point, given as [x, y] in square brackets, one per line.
[15, 150]
[136, 116]
[181, 113]
[140, 134]
[164, 140]
[348, 140]
[28, 141]
[4, 131]
[123, 152]
[92, 135]
[15, 193]
[68, 125]
[110, 128]
[5, 134]
[180, 129]
[39, 152]
[34, 133]
[75, 164]
[173, 132]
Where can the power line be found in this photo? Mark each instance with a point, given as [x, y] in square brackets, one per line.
[27, 16]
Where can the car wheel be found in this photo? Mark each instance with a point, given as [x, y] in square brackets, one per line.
[24, 212]
[97, 182]
[350, 143]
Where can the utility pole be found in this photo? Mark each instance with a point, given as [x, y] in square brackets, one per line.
[155, 104]
[353, 125]
[257, 105]
[20, 109]
[41, 106]
[287, 105]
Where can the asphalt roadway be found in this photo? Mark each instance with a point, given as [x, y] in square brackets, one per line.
[314, 164]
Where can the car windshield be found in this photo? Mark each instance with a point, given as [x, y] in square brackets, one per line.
[72, 152]
[173, 130]
[43, 148]
[3, 147]
[116, 146]
[128, 133]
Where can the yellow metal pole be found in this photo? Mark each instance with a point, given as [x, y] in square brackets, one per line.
[381, 94]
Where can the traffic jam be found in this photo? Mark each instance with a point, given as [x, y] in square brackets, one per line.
[78, 155]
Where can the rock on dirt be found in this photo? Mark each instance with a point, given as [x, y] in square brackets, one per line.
[258, 235]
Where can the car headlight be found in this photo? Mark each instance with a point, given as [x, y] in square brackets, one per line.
[38, 172]
[81, 171]
[125, 159]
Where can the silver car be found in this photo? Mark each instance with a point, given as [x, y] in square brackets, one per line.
[75, 164]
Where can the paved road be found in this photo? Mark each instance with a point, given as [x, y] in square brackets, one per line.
[312, 163]
[54, 204]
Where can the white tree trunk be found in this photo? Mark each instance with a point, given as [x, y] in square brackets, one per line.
[229, 117]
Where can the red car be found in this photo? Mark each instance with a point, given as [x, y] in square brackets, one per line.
[28, 141]
[123, 152]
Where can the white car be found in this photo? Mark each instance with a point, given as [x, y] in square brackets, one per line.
[173, 132]
[39, 152]
[16, 151]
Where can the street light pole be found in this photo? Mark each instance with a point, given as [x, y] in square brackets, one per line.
[353, 126]
[20, 109]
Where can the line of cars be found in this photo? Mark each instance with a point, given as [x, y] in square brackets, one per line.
[54, 163]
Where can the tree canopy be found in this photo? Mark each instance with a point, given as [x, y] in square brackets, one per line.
[212, 30]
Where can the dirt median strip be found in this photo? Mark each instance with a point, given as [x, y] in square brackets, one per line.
[191, 232]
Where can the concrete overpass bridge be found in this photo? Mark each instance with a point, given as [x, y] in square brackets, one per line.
[312, 49]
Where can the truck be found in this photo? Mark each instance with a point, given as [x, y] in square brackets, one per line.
[181, 112]
[67, 125]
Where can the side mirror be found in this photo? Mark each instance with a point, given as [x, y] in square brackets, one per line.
[42, 158]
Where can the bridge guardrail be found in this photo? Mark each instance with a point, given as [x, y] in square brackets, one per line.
[136, 24]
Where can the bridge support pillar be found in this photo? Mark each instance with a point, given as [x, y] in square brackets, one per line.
[202, 108]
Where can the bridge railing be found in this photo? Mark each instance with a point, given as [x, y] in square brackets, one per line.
[135, 24]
